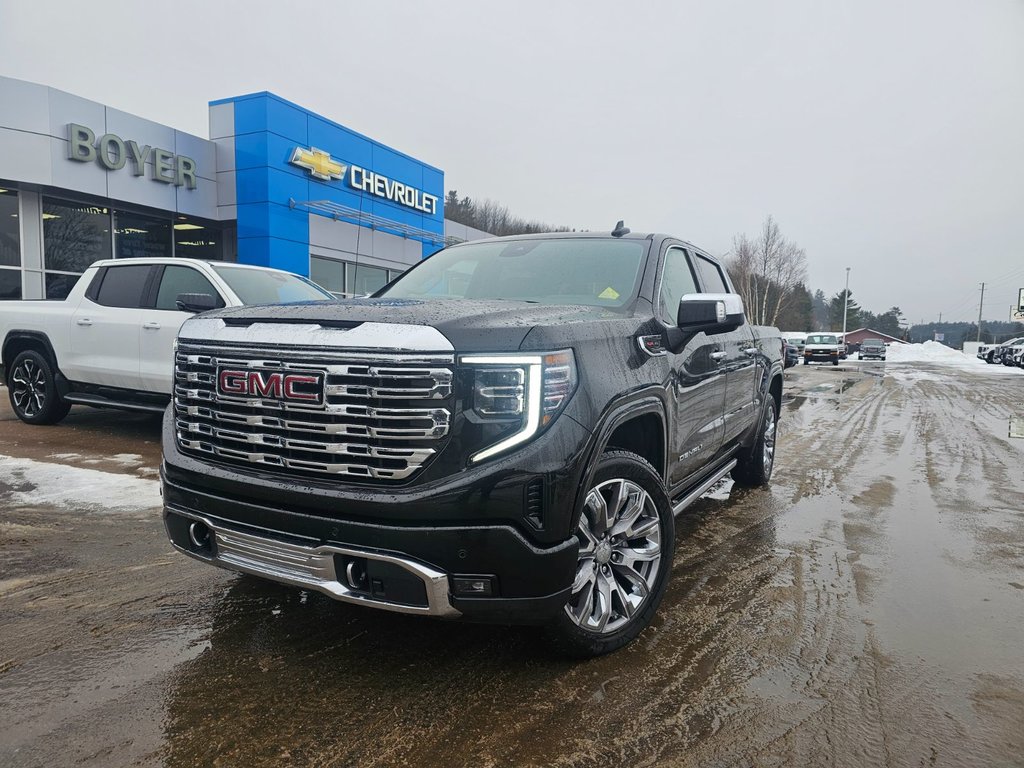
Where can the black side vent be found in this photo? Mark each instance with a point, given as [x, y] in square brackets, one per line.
[535, 503]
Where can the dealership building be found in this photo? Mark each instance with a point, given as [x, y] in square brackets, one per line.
[274, 185]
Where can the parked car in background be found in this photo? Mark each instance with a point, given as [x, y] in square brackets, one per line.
[796, 340]
[110, 342]
[790, 354]
[871, 349]
[822, 348]
[1007, 352]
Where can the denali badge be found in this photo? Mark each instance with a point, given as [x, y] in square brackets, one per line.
[272, 385]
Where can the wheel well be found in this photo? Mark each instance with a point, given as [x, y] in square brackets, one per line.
[643, 435]
[16, 344]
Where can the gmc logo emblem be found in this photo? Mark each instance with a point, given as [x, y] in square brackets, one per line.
[272, 385]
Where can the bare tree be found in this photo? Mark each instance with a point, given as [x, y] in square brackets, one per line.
[491, 216]
[765, 271]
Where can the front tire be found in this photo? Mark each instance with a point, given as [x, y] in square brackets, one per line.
[755, 468]
[32, 389]
[626, 534]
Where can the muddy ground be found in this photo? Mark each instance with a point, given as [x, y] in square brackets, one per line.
[866, 610]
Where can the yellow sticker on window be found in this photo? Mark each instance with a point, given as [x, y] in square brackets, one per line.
[608, 293]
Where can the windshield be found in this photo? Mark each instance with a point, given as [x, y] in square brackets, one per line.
[265, 286]
[599, 272]
[822, 338]
[873, 343]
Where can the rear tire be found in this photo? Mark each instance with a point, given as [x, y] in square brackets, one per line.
[835, 362]
[627, 538]
[32, 388]
[755, 468]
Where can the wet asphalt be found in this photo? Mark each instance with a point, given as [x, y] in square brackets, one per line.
[867, 609]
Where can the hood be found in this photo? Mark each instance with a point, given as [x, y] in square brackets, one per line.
[470, 326]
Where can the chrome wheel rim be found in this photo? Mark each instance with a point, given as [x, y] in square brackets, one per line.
[619, 534]
[769, 441]
[28, 388]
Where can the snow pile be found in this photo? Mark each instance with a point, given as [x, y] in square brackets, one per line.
[939, 354]
[33, 483]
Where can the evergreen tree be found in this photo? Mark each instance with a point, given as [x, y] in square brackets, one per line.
[798, 312]
[835, 311]
[819, 311]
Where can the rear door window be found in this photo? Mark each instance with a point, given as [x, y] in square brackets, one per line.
[711, 276]
[124, 286]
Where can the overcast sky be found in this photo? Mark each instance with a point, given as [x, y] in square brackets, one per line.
[883, 135]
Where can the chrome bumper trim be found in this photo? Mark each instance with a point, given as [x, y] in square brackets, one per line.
[313, 567]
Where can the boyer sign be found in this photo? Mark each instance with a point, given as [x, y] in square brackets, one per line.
[112, 153]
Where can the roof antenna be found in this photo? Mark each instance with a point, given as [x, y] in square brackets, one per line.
[620, 229]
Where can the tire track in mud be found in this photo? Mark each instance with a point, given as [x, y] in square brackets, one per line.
[937, 446]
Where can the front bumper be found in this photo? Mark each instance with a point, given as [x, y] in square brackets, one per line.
[416, 565]
[311, 567]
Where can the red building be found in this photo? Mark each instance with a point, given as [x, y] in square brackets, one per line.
[854, 338]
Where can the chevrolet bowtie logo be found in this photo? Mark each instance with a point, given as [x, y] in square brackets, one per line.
[320, 164]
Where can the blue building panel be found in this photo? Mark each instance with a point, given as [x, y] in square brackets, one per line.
[348, 146]
[267, 132]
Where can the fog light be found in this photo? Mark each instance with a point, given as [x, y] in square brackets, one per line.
[478, 586]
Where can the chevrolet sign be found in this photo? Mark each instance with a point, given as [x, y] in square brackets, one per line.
[321, 165]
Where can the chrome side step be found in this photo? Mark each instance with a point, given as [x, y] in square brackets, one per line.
[102, 402]
[701, 489]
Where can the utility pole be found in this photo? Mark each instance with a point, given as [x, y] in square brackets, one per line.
[981, 304]
[940, 318]
[846, 303]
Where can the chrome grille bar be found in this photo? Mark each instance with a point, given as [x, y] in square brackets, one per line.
[382, 418]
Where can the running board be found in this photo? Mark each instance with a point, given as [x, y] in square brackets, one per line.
[701, 489]
[102, 402]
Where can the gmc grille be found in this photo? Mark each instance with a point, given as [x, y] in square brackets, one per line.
[382, 418]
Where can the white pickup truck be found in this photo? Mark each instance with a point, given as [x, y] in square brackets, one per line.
[110, 342]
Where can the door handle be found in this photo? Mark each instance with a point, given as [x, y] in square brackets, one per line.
[750, 351]
[83, 321]
[151, 326]
[719, 356]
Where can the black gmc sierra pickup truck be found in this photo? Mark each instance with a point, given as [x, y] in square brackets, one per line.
[504, 433]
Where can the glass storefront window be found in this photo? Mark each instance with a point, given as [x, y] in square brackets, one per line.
[10, 238]
[328, 273]
[74, 236]
[362, 280]
[198, 240]
[137, 236]
[58, 285]
[10, 284]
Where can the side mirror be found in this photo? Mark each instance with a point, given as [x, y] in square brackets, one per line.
[196, 302]
[708, 312]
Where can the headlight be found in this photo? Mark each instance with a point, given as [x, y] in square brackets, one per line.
[520, 394]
